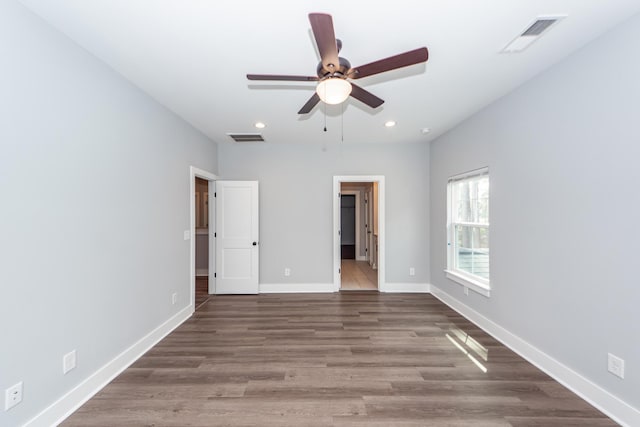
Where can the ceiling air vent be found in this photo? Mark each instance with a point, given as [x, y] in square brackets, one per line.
[538, 27]
[246, 137]
[531, 34]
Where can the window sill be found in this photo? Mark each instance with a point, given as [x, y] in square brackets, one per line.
[468, 282]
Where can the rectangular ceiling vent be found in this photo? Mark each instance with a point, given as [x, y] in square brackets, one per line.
[538, 27]
[531, 34]
[246, 137]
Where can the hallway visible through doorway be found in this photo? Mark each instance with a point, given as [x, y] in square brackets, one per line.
[358, 263]
[348, 226]
[358, 275]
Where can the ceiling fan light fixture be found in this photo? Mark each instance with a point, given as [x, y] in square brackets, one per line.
[333, 90]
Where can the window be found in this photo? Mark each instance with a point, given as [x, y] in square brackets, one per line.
[468, 230]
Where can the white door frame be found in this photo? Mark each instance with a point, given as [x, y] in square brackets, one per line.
[337, 180]
[357, 223]
[200, 173]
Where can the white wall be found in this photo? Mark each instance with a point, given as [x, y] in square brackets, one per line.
[296, 204]
[563, 155]
[94, 186]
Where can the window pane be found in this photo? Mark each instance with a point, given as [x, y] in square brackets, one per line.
[482, 201]
[472, 250]
[471, 200]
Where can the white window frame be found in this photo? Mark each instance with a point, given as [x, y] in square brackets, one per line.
[466, 279]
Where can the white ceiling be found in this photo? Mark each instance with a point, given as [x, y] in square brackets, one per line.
[193, 55]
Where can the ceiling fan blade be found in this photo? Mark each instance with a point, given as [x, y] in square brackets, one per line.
[391, 63]
[282, 78]
[322, 26]
[310, 104]
[365, 96]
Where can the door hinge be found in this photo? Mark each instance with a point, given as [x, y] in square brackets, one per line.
[338, 195]
[338, 232]
[215, 274]
[215, 194]
[215, 234]
[339, 271]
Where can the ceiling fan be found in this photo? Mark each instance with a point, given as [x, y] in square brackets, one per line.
[334, 73]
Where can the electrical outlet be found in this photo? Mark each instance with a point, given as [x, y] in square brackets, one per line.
[174, 298]
[12, 396]
[412, 271]
[287, 272]
[187, 234]
[615, 365]
[68, 362]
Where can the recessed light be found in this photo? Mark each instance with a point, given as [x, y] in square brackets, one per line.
[425, 130]
[390, 124]
[260, 125]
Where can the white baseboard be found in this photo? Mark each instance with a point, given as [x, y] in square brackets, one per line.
[71, 401]
[361, 258]
[279, 288]
[202, 271]
[285, 288]
[615, 408]
[419, 288]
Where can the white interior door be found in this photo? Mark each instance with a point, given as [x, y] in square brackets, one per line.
[237, 234]
[212, 241]
[366, 226]
[370, 249]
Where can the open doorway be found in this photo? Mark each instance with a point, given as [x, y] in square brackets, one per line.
[201, 240]
[202, 221]
[359, 233]
[356, 223]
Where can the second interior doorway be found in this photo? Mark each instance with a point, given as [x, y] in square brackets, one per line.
[358, 236]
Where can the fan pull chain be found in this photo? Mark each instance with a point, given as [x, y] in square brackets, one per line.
[342, 123]
[325, 109]
[325, 117]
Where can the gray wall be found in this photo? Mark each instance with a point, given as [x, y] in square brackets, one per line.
[563, 155]
[94, 185]
[296, 205]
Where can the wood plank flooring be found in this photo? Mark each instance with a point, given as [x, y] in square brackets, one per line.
[357, 275]
[346, 359]
[202, 290]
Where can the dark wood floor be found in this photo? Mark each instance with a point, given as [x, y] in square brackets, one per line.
[348, 359]
[202, 290]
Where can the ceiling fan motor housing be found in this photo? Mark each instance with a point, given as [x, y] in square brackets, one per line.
[340, 71]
